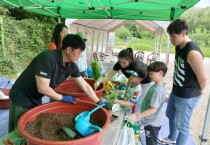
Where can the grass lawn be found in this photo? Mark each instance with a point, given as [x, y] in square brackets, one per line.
[148, 45]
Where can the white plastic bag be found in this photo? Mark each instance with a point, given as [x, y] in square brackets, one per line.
[3, 96]
[116, 107]
[126, 136]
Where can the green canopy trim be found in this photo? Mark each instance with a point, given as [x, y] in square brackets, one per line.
[164, 10]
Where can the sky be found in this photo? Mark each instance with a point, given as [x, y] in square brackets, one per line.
[202, 3]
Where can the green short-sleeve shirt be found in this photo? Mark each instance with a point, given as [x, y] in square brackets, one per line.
[154, 98]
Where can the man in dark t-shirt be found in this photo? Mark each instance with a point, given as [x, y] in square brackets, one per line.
[46, 71]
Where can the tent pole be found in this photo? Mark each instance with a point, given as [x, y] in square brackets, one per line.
[97, 45]
[204, 135]
[92, 43]
[159, 42]
[102, 44]
[107, 37]
[155, 41]
[167, 49]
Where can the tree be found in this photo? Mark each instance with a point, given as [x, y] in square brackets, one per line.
[134, 30]
[123, 33]
[201, 37]
[23, 38]
[197, 18]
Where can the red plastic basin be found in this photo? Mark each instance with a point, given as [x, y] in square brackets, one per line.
[68, 87]
[4, 103]
[59, 107]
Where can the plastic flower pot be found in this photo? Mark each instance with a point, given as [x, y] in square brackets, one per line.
[68, 87]
[4, 103]
[59, 107]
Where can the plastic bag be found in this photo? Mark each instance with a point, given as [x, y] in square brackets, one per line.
[122, 79]
[126, 136]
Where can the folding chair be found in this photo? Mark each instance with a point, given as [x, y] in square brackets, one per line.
[152, 57]
[100, 56]
[139, 55]
[96, 57]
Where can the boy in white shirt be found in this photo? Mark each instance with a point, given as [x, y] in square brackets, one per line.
[134, 91]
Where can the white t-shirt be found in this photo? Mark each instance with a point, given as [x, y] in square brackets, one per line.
[134, 94]
[82, 61]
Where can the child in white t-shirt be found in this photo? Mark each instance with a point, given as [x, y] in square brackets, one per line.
[133, 96]
[134, 90]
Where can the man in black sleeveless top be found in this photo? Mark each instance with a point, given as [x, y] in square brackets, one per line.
[189, 83]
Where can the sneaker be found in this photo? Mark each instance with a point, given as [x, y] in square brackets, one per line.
[166, 141]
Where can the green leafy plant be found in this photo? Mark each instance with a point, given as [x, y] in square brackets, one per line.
[96, 70]
[113, 96]
[109, 103]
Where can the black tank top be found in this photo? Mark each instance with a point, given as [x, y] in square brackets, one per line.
[185, 83]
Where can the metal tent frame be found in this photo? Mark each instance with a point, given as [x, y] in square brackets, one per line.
[102, 28]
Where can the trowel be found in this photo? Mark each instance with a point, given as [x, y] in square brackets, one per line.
[71, 133]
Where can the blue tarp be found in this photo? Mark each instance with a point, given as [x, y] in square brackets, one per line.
[5, 83]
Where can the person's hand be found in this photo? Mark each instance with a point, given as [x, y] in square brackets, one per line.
[132, 117]
[96, 84]
[126, 96]
[69, 99]
[105, 106]
[116, 101]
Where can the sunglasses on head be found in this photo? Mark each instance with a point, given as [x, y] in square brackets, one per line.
[133, 73]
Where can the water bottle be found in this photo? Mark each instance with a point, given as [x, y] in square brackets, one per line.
[136, 128]
[89, 72]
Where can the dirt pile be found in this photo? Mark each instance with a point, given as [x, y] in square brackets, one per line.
[48, 126]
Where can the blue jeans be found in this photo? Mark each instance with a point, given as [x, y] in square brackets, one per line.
[179, 111]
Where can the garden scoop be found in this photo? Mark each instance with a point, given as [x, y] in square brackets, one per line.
[86, 114]
[70, 133]
[83, 126]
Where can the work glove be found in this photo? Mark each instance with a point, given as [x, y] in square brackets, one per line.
[96, 84]
[108, 107]
[69, 99]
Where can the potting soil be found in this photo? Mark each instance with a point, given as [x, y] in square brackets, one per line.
[48, 126]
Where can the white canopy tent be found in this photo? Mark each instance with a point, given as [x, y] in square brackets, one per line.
[97, 32]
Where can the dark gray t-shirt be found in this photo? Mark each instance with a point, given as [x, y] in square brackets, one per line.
[154, 98]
